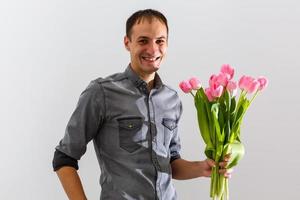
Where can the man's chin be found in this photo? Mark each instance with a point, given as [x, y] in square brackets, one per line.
[150, 68]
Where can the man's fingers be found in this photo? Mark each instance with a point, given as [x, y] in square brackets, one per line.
[227, 157]
[225, 161]
[226, 172]
[210, 162]
[223, 164]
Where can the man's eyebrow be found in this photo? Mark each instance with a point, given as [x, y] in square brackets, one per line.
[161, 37]
[145, 37]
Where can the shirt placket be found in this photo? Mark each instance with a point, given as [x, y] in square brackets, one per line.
[153, 137]
[154, 141]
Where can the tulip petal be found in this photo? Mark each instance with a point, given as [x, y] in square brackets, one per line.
[195, 83]
[185, 86]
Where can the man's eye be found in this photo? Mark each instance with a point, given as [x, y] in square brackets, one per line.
[160, 41]
[142, 41]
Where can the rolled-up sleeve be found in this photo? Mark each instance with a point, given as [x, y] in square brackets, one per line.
[83, 125]
[175, 145]
[60, 160]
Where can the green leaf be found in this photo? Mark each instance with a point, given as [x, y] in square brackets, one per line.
[222, 115]
[209, 115]
[232, 118]
[227, 99]
[240, 114]
[227, 131]
[203, 120]
[209, 152]
[237, 152]
[233, 105]
[215, 111]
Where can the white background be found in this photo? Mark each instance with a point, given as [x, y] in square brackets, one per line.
[51, 50]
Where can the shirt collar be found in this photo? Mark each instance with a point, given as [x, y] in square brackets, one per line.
[137, 81]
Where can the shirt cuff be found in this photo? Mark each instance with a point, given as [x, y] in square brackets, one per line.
[61, 159]
[174, 158]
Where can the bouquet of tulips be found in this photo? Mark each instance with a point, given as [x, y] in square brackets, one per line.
[220, 115]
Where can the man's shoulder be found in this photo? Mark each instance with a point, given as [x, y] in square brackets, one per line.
[109, 79]
[170, 89]
[97, 84]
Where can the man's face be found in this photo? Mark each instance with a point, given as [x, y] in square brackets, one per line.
[147, 45]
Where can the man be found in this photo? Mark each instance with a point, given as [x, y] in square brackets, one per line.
[132, 119]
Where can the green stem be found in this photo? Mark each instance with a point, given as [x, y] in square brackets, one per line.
[192, 94]
[227, 189]
[254, 96]
[214, 183]
[243, 93]
[211, 183]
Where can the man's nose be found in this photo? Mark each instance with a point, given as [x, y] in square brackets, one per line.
[152, 48]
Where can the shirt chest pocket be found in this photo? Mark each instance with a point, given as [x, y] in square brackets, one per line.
[169, 127]
[130, 133]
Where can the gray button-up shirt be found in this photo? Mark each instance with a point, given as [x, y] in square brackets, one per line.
[134, 134]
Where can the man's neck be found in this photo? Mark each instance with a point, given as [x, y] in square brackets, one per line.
[148, 78]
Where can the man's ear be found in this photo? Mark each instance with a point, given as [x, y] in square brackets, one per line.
[126, 42]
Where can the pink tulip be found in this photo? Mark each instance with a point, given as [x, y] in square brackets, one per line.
[216, 90]
[263, 82]
[212, 80]
[185, 86]
[209, 95]
[232, 88]
[195, 83]
[253, 86]
[220, 79]
[244, 82]
[228, 70]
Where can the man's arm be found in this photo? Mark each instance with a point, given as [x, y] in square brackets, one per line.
[71, 183]
[183, 169]
[66, 169]
[82, 127]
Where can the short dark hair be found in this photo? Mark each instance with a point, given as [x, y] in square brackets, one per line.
[148, 14]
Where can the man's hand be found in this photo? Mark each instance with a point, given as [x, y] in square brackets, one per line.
[208, 164]
[183, 169]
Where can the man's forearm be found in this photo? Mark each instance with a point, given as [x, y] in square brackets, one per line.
[183, 169]
[71, 183]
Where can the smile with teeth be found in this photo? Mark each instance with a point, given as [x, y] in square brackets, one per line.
[151, 59]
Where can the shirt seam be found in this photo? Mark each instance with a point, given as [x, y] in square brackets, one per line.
[104, 99]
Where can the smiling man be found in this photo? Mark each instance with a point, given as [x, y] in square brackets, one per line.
[132, 119]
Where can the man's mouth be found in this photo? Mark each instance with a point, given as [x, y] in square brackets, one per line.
[150, 59]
